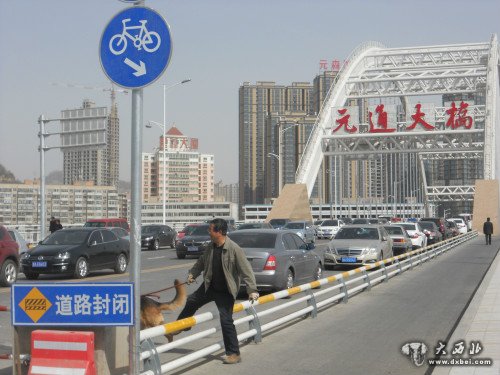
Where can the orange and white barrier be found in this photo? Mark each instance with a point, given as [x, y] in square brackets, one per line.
[62, 353]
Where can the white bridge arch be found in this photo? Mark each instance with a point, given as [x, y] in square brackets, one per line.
[376, 72]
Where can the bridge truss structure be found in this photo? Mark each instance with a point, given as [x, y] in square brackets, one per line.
[409, 76]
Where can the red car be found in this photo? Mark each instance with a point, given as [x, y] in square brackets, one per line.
[9, 258]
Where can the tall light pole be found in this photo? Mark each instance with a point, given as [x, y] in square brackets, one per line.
[280, 173]
[164, 128]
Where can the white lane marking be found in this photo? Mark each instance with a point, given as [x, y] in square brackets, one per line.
[156, 258]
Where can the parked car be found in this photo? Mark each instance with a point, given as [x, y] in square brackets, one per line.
[9, 258]
[186, 230]
[440, 223]
[452, 226]
[358, 244]
[416, 233]
[304, 229]
[278, 223]
[461, 224]
[361, 221]
[256, 225]
[155, 236]
[120, 232]
[280, 259]
[346, 220]
[108, 222]
[194, 243]
[16, 236]
[432, 232]
[77, 251]
[329, 228]
[401, 241]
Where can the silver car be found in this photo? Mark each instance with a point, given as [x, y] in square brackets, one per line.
[401, 241]
[280, 259]
[358, 244]
[303, 229]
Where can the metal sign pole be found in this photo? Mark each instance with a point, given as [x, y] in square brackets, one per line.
[43, 218]
[135, 228]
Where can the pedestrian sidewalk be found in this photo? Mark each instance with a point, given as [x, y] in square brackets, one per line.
[480, 322]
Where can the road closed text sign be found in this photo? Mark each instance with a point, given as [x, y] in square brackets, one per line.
[72, 304]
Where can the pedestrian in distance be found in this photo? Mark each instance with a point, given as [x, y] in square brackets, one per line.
[52, 224]
[224, 265]
[488, 230]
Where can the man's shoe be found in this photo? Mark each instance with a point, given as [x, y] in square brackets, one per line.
[231, 359]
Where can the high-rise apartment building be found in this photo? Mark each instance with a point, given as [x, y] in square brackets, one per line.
[178, 169]
[90, 144]
[258, 104]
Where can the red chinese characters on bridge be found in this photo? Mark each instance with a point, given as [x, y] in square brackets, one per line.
[457, 117]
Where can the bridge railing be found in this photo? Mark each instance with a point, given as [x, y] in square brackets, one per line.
[336, 288]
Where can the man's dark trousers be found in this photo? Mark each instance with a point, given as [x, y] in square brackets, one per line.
[488, 239]
[225, 304]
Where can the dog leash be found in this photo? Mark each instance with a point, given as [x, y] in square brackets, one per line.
[154, 294]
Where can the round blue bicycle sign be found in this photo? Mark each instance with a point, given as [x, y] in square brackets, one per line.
[135, 47]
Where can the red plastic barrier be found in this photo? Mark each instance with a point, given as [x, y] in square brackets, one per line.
[62, 352]
[4, 308]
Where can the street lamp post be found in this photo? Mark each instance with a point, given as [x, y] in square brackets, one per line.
[164, 128]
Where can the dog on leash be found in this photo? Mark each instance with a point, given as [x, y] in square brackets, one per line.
[151, 310]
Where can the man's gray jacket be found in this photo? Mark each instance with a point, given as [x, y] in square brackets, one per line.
[234, 263]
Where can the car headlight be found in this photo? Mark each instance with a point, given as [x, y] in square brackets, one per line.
[25, 256]
[148, 238]
[332, 251]
[372, 251]
[63, 255]
[206, 243]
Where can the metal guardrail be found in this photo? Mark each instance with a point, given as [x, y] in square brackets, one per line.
[343, 287]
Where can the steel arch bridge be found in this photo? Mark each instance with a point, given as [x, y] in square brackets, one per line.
[374, 72]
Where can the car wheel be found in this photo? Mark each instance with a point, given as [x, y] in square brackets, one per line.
[155, 245]
[81, 268]
[290, 279]
[31, 275]
[181, 256]
[172, 244]
[121, 263]
[8, 274]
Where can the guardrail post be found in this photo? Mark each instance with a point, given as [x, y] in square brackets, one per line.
[398, 264]
[384, 271]
[254, 324]
[410, 258]
[366, 277]
[153, 362]
[343, 289]
[312, 302]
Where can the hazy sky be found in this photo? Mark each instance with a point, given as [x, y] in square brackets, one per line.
[217, 43]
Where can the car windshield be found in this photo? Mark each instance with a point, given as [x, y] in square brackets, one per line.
[394, 230]
[408, 226]
[277, 221]
[427, 225]
[150, 230]
[357, 233]
[294, 226]
[201, 230]
[249, 226]
[360, 221]
[66, 237]
[330, 223]
[251, 240]
[95, 224]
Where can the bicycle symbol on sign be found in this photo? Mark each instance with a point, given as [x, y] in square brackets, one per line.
[149, 40]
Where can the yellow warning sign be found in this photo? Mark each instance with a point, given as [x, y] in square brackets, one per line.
[35, 304]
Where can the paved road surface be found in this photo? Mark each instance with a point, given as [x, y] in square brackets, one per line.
[365, 336]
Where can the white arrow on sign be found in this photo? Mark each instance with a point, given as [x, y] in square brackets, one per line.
[140, 70]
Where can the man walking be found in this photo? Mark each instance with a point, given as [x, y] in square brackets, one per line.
[223, 265]
[488, 230]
